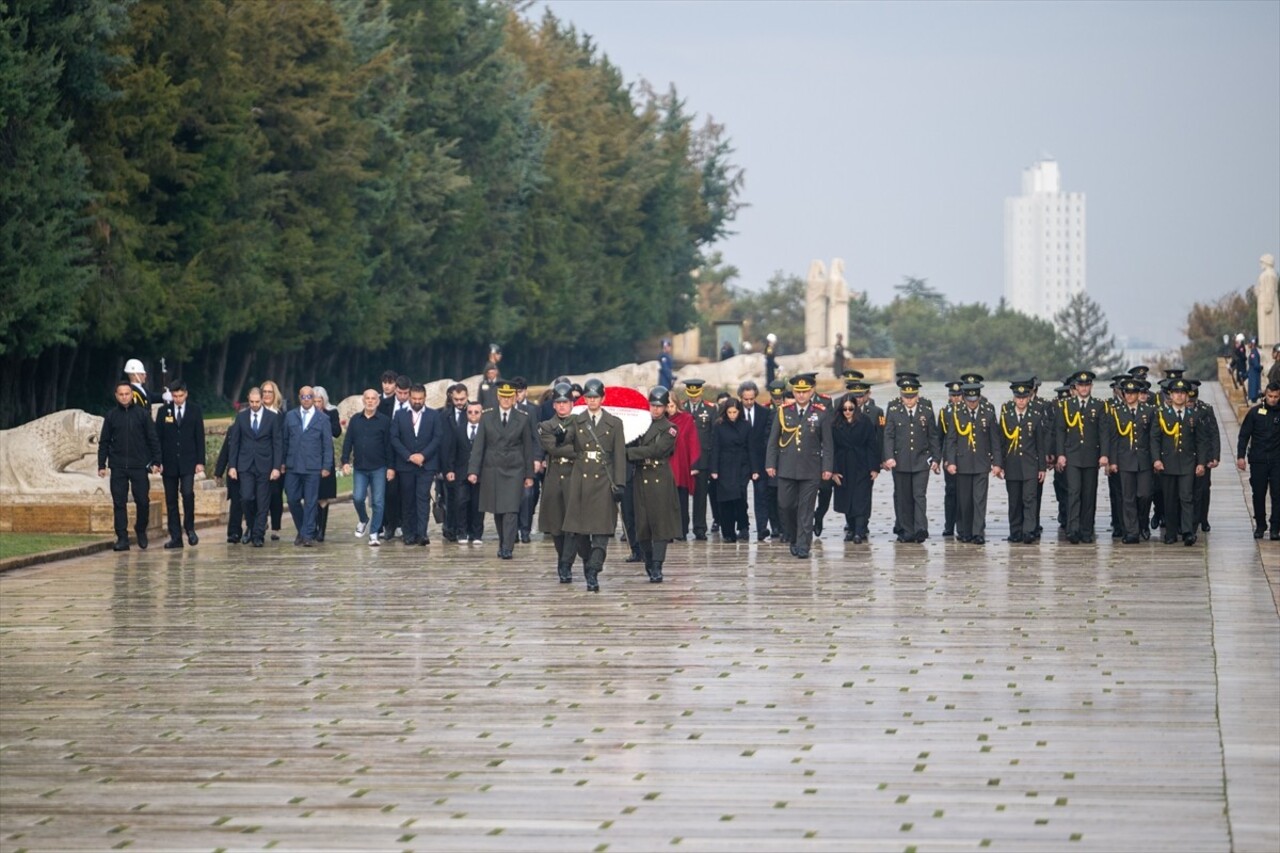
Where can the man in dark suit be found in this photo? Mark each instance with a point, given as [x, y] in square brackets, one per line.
[453, 422]
[257, 452]
[415, 442]
[470, 519]
[502, 464]
[529, 503]
[180, 425]
[308, 456]
[391, 406]
[759, 420]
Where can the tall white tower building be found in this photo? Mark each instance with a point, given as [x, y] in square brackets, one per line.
[1044, 243]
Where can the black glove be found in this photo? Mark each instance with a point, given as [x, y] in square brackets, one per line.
[617, 492]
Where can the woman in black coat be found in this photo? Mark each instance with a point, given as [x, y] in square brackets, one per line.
[731, 469]
[857, 454]
[328, 485]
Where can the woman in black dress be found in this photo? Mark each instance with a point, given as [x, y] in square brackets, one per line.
[328, 485]
[857, 450]
[731, 469]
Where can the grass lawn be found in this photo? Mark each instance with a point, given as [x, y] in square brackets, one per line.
[21, 544]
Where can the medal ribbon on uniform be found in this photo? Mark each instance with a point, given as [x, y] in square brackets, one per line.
[1014, 438]
[964, 432]
[1176, 432]
[1125, 431]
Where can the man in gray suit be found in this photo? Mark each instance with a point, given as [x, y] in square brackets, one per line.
[502, 463]
[800, 454]
[308, 456]
[256, 453]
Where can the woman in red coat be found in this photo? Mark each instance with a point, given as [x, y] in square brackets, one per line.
[688, 449]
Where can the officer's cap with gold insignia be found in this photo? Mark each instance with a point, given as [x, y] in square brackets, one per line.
[1178, 384]
[970, 378]
[1062, 391]
[1139, 370]
[1131, 385]
[506, 388]
[971, 390]
[1022, 388]
[906, 374]
[858, 388]
[954, 386]
[1118, 378]
[803, 381]
[909, 384]
[693, 387]
[776, 388]
[1174, 372]
[850, 373]
[1083, 377]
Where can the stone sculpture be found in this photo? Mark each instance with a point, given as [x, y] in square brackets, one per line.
[826, 307]
[1268, 303]
[55, 454]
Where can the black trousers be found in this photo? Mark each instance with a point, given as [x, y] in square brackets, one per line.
[948, 502]
[733, 516]
[971, 504]
[760, 496]
[122, 480]
[796, 502]
[1264, 478]
[276, 504]
[825, 490]
[235, 516]
[528, 502]
[683, 494]
[1179, 504]
[391, 514]
[910, 497]
[1117, 498]
[506, 522]
[628, 508]
[471, 525]
[255, 492]
[1060, 495]
[415, 501]
[184, 484]
[1082, 499]
[1202, 489]
[775, 516]
[454, 509]
[1135, 492]
[701, 489]
[1024, 515]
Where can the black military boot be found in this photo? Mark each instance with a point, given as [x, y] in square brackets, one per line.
[655, 571]
[565, 571]
[322, 522]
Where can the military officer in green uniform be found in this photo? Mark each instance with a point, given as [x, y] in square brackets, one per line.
[657, 510]
[552, 435]
[1179, 451]
[801, 456]
[972, 454]
[1078, 443]
[502, 462]
[954, 401]
[1128, 435]
[1021, 435]
[704, 416]
[912, 448]
[598, 477]
[1202, 485]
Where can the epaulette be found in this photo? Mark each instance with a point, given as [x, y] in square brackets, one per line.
[822, 407]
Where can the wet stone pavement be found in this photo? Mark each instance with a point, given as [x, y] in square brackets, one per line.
[875, 697]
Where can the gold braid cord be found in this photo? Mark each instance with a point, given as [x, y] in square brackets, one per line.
[786, 434]
[1176, 432]
[1125, 431]
[1078, 423]
[962, 432]
[1014, 438]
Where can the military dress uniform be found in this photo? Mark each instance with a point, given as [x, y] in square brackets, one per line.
[502, 460]
[657, 512]
[1128, 433]
[1180, 442]
[1078, 442]
[704, 417]
[1203, 484]
[913, 444]
[800, 453]
[552, 437]
[948, 479]
[973, 448]
[599, 475]
[1259, 443]
[1022, 440]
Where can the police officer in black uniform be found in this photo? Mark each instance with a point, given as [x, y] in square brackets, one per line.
[1259, 443]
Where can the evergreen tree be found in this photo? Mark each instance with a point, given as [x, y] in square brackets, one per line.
[1208, 323]
[1082, 328]
[778, 309]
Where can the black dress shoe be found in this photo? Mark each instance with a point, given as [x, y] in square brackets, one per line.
[1073, 538]
[1130, 540]
[700, 537]
[297, 540]
[979, 540]
[920, 538]
[1189, 539]
[1144, 534]
[728, 538]
[275, 536]
[505, 555]
[1086, 538]
[524, 537]
[1275, 536]
[802, 553]
[905, 539]
[142, 541]
[121, 545]
[233, 540]
[257, 543]
[634, 557]
[817, 530]
[1012, 538]
[948, 532]
[1204, 525]
[307, 543]
[173, 543]
[192, 538]
[425, 540]
[1169, 540]
[1259, 533]
[858, 539]
[246, 538]
[964, 538]
[793, 550]
[848, 536]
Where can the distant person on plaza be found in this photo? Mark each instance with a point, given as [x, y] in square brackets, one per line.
[1128, 434]
[487, 390]
[552, 435]
[308, 459]
[529, 502]
[688, 449]
[453, 425]
[666, 367]
[235, 512]
[1259, 444]
[1081, 452]
[129, 445]
[770, 358]
[1203, 485]
[273, 400]
[416, 436]
[328, 485]
[837, 361]
[391, 519]
[657, 517]
[973, 453]
[136, 374]
[598, 479]
[800, 455]
[727, 351]
[257, 452]
[1179, 452]
[1240, 361]
[387, 399]
[368, 439]
[758, 419]
[1273, 372]
[180, 426]
[912, 448]
[1254, 360]
[470, 517]
[1020, 431]
[704, 416]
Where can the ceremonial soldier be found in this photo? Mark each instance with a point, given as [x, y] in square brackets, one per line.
[973, 454]
[1053, 414]
[1260, 437]
[502, 462]
[137, 377]
[1022, 434]
[1128, 437]
[770, 358]
[704, 416]
[954, 401]
[657, 515]
[1179, 449]
[1210, 426]
[778, 396]
[912, 449]
[1078, 442]
[800, 455]
[553, 437]
[1113, 478]
[599, 474]
[487, 390]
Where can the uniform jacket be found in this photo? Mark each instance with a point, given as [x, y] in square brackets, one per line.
[1260, 434]
[704, 420]
[1021, 444]
[657, 503]
[1210, 419]
[800, 443]
[128, 439]
[260, 452]
[1181, 444]
[552, 435]
[308, 451]
[973, 439]
[502, 457]
[1128, 436]
[911, 439]
[600, 463]
[405, 442]
[1077, 431]
[182, 445]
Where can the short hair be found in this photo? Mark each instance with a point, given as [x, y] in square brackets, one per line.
[125, 382]
[748, 386]
[489, 366]
[178, 385]
[403, 382]
[418, 388]
[254, 390]
[1273, 386]
[471, 403]
[389, 376]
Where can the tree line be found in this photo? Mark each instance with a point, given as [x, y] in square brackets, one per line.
[315, 191]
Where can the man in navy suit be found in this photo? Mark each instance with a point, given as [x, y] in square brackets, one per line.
[257, 451]
[759, 420]
[180, 425]
[415, 443]
[308, 456]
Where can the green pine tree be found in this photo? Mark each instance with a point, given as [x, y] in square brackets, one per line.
[1082, 328]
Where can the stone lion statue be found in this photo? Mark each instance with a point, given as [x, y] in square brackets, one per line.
[42, 457]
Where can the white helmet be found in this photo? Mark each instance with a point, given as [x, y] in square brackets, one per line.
[134, 365]
[1239, 336]
[771, 338]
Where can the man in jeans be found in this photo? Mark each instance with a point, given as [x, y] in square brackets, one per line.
[369, 435]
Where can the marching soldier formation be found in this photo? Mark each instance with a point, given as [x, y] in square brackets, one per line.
[792, 456]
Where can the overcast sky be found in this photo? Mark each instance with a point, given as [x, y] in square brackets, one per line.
[889, 134]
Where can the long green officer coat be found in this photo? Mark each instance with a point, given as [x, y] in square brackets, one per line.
[600, 462]
[656, 499]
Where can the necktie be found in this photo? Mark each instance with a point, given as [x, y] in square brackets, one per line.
[180, 415]
[255, 421]
[504, 418]
[595, 421]
[472, 433]
[751, 416]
